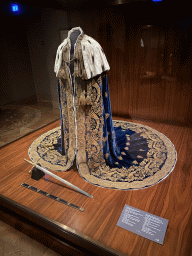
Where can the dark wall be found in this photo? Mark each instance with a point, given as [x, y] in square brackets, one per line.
[29, 42]
[16, 79]
[151, 82]
[43, 34]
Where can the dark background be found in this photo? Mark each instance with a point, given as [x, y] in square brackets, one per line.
[151, 82]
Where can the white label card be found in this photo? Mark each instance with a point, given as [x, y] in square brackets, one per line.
[144, 224]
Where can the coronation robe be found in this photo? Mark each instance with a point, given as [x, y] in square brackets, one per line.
[87, 130]
[113, 154]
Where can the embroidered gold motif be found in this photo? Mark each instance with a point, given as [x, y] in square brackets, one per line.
[107, 115]
[93, 129]
[106, 94]
[106, 156]
[104, 139]
[82, 98]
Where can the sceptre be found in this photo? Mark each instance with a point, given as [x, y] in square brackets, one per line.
[60, 179]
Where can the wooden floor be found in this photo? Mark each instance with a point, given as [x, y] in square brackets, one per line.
[170, 199]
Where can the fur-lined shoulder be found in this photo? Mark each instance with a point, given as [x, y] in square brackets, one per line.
[89, 54]
[95, 61]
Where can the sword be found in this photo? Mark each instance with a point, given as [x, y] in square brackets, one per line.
[60, 179]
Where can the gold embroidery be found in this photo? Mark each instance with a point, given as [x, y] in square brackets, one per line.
[145, 173]
[107, 115]
[130, 175]
[106, 155]
[91, 127]
[82, 98]
[106, 94]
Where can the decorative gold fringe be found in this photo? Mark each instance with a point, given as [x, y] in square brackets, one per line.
[82, 98]
[88, 100]
[84, 101]
[89, 93]
[79, 69]
[63, 72]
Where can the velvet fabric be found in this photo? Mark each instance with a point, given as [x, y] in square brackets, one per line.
[116, 142]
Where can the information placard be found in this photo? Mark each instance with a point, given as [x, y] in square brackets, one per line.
[144, 224]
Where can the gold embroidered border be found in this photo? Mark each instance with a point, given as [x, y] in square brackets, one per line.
[84, 170]
[37, 156]
[149, 181]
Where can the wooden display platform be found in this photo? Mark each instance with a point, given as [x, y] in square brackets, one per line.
[94, 230]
